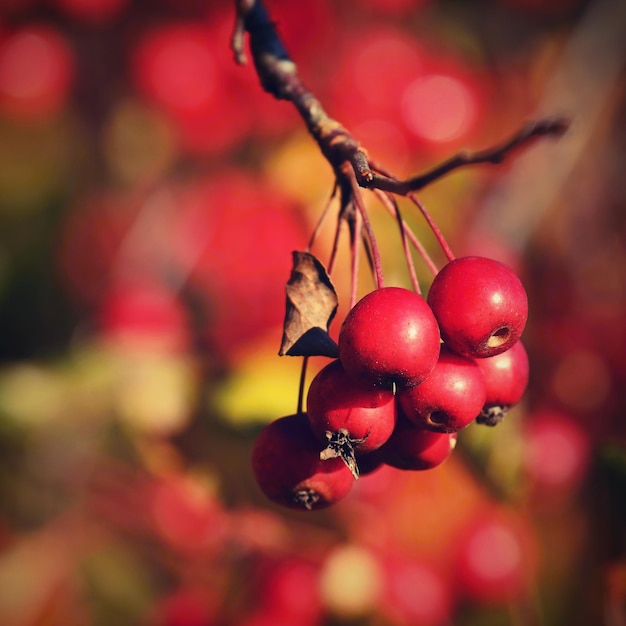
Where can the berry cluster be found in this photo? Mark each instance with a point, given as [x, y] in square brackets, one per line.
[410, 374]
[405, 376]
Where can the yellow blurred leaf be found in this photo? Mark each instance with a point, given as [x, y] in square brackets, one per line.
[262, 385]
[154, 391]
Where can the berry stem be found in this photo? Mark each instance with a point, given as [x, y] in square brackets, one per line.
[369, 232]
[355, 249]
[325, 212]
[417, 244]
[389, 202]
[335, 248]
[302, 384]
[433, 226]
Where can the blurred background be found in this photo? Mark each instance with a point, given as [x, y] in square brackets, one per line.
[150, 197]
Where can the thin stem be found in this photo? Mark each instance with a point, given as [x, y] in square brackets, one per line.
[433, 226]
[417, 244]
[302, 385]
[389, 202]
[325, 212]
[335, 248]
[369, 232]
[355, 247]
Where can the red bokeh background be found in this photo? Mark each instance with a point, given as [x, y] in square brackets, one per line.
[151, 195]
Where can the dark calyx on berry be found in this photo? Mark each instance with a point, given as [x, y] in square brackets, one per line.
[491, 415]
[341, 444]
[306, 498]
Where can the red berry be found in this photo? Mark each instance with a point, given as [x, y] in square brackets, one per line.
[389, 336]
[287, 466]
[480, 304]
[349, 417]
[506, 379]
[449, 399]
[370, 462]
[413, 448]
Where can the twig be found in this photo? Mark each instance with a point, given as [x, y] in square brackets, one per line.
[278, 75]
[552, 126]
[325, 212]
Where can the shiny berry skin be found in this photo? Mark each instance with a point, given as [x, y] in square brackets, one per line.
[389, 336]
[335, 402]
[370, 462]
[506, 379]
[413, 448]
[287, 466]
[480, 304]
[449, 399]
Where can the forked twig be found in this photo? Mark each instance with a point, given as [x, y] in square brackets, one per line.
[278, 75]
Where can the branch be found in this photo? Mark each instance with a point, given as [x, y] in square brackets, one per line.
[552, 126]
[278, 75]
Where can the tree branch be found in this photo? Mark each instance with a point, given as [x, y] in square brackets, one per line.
[278, 75]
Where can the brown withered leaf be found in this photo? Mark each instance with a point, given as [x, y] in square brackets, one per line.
[311, 306]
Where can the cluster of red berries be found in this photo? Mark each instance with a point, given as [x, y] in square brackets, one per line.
[411, 373]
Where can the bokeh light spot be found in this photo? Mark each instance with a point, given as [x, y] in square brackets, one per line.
[438, 108]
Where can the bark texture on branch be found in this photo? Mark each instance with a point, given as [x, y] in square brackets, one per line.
[278, 75]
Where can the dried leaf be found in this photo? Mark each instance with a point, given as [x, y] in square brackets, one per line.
[311, 306]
